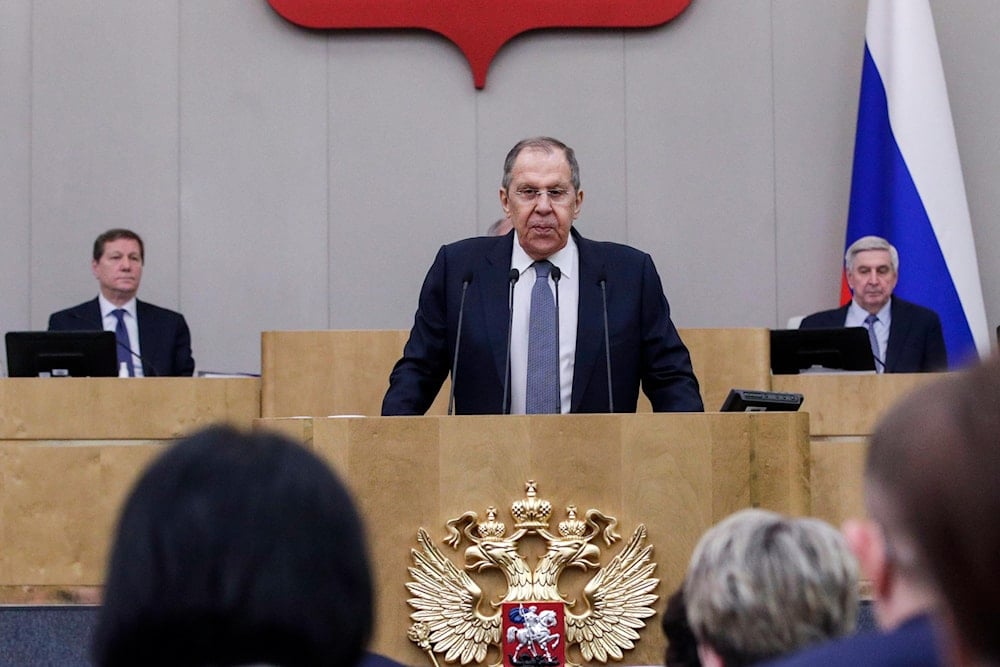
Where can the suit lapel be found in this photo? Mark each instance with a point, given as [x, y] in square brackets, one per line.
[92, 313]
[147, 338]
[590, 318]
[491, 283]
[898, 331]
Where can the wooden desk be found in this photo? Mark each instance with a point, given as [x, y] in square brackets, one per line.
[676, 473]
[843, 409]
[70, 449]
[330, 372]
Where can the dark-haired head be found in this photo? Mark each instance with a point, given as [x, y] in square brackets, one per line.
[682, 645]
[114, 235]
[235, 549]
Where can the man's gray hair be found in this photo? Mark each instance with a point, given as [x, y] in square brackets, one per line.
[871, 243]
[548, 145]
[761, 585]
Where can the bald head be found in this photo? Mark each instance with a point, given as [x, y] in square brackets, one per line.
[933, 476]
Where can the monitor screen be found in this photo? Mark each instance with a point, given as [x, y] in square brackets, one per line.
[61, 354]
[840, 349]
[749, 400]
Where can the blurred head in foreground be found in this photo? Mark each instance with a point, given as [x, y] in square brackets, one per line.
[234, 549]
[761, 585]
[933, 485]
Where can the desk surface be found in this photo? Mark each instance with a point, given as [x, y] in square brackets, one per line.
[122, 408]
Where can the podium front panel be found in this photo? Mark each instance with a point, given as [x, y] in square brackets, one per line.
[677, 474]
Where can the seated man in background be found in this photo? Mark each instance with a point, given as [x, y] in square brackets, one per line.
[237, 549]
[908, 337]
[151, 340]
[761, 585]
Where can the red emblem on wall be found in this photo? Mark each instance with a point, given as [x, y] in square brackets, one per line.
[479, 28]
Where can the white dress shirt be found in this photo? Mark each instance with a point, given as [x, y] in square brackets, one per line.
[131, 325]
[856, 316]
[568, 299]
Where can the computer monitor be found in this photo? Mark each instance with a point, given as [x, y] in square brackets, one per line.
[840, 349]
[61, 354]
[749, 400]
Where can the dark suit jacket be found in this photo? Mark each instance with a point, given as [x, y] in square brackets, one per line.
[164, 338]
[378, 660]
[916, 344]
[645, 346]
[912, 644]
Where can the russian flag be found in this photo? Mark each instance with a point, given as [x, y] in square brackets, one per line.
[907, 183]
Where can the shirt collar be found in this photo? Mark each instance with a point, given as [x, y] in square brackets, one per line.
[565, 258]
[856, 313]
[107, 306]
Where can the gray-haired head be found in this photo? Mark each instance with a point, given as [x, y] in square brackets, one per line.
[761, 585]
[871, 243]
[548, 145]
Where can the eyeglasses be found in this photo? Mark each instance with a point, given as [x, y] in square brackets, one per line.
[556, 195]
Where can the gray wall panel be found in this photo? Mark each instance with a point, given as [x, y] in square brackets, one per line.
[104, 143]
[700, 163]
[15, 172]
[402, 146]
[253, 179]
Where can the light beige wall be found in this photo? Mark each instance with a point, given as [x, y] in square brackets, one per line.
[291, 179]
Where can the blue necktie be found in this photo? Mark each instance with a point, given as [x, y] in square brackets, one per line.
[542, 391]
[873, 341]
[124, 346]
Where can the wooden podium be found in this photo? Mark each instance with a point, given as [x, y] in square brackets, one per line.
[843, 410]
[676, 473]
[70, 449]
[321, 373]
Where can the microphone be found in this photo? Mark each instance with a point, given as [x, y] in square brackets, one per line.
[458, 339]
[556, 274]
[100, 327]
[512, 277]
[603, 282]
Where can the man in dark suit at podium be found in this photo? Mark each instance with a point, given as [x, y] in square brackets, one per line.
[908, 337]
[573, 293]
[151, 340]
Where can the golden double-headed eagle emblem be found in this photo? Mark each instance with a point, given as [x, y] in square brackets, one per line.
[532, 622]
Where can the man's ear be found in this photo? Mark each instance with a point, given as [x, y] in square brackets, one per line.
[708, 657]
[867, 540]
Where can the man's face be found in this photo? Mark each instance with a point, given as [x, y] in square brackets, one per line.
[541, 202]
[119, 269]
[872, 279]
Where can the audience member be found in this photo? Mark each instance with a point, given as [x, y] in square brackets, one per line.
[151, 340]
[908, 337]
[500, 227]
[587, 292]
[682, 646]
[761, 585]
[932, 497]
[236, 549]
[934, 471]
